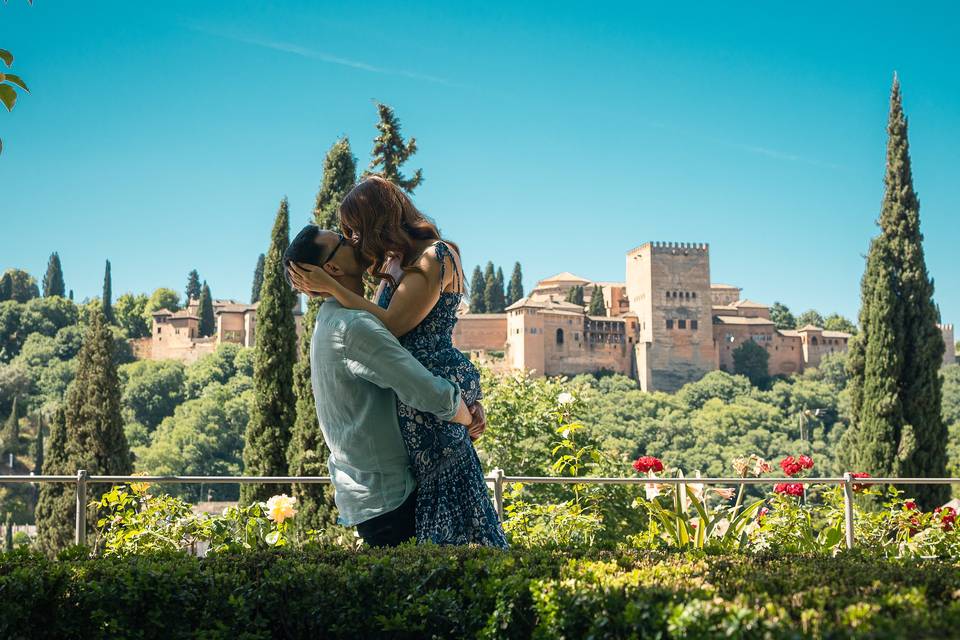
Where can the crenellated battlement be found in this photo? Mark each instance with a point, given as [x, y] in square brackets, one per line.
[672, 247]
[946, 327]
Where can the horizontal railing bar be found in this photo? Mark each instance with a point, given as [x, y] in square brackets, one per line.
[16, 479]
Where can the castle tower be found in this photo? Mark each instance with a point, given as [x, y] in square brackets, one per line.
[950, 347]
[668, 287]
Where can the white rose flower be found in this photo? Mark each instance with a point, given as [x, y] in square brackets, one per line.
[565, 398]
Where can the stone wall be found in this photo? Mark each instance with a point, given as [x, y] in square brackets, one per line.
[481, 332]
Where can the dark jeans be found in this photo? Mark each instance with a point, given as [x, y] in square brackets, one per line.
[391, 528]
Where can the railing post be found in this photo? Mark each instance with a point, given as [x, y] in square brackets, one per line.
[80, 534]
[848, 507]
[498, 491]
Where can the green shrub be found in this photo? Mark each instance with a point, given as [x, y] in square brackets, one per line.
[424, 592]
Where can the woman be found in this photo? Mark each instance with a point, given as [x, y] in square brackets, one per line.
[421, 286]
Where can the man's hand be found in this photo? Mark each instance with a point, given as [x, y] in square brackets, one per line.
[479, 424]
[310, 280]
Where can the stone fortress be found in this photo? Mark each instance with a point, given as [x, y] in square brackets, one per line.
[667, 325]
[176, 335]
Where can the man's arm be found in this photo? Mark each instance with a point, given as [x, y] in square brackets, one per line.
[374, 354]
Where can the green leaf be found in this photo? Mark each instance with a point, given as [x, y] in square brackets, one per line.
[8, 96]
[6, 56]
[272, 538]
[15, 79]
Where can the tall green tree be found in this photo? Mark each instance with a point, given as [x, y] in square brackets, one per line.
[752, 360]
[478, 285]
[107, 299]
[268, 432]
[208, 324]
[193, 286]
[307, 454]
[575, 295]
[257, 280]
[38, 447]
[781, 316]
[55, 505]
[53, 284]
[10, 436]
[129, 312]
[836, 322]
[18, 285]
[390, 151]
[894, 362]
[515, 288]
[597, 307]
[810, 316]
[339, 177]
[493, 295]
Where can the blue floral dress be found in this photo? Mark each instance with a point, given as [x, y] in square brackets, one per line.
[453, 506]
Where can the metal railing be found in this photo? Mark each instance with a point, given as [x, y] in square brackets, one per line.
[496, 479]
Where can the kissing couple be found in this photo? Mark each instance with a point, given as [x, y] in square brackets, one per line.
[398, 404]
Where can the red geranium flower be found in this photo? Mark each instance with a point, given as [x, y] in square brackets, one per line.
[805, 461]
[790, 466]
[794, 489]
[948, 517]
[763, 511]
[860, 487]
[643, 464]
[910, 505]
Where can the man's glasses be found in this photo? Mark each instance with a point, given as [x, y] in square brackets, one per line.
[340, 243]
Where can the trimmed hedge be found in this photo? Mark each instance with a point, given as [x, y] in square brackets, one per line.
[465, 593]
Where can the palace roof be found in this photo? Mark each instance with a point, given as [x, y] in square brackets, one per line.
[741, 320]
[566, 276]
[749, 304]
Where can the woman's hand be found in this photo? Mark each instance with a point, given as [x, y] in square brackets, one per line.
[311, 280]
[479, 423]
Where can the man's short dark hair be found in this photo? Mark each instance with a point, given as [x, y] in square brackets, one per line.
[304, 248]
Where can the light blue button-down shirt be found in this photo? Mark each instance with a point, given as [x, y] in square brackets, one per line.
[358, 370]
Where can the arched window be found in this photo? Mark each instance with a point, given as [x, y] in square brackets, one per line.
[559, 336]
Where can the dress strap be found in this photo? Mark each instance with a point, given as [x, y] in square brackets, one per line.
[443, 252]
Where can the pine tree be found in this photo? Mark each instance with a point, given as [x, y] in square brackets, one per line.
[478, 285]
[107, 300]
[515, 289]
[268, 431]
[308, 451]
[208, 324]
[501, 286]
[53, 284]
[493, 296]
[56, 503]
[390, 151]
[752, 360]
[782, 317]
[597, 307]
[10, 436]
[257, 280]
[339, 177]
[193, 286]
[895, 386]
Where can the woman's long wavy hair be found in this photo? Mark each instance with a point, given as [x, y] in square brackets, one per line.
[382, 221]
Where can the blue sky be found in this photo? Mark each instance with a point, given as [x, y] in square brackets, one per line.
[163, 135]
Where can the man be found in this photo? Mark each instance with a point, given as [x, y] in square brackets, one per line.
[358, 370]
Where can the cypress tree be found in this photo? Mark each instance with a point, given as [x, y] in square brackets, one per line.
[268, 431]
[307, 454]
[56, 503]
[597, 307]
[193, 286]
[515, 289]
[208, 324]
[575, 295]
[390, 151]
[493, 296]
[894, 362]
[53, 284]
[70, 295]
[478, 285]
[107, 299]
[257, 280]
[339, 177]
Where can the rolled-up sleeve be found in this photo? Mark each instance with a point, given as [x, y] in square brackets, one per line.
[375, 355]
